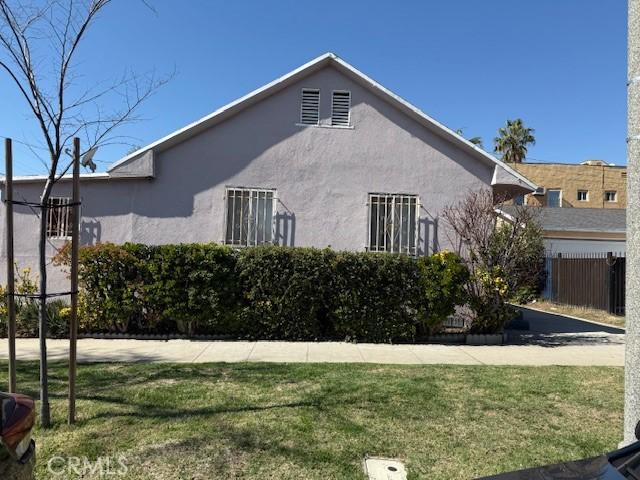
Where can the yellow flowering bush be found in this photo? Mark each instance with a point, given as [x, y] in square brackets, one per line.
[27, 309]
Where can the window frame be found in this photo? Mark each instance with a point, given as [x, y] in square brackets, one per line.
[302, 92]
[348, 125]
[411, 250]
[615, 196]
[272, 226]
[559, 197]
[68, 221]
[586, 195]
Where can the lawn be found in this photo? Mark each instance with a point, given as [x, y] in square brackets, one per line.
[317, 421]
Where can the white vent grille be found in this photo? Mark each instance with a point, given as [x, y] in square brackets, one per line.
[310, 107]
[340, 108]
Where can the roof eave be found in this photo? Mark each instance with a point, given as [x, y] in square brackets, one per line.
[316, 64]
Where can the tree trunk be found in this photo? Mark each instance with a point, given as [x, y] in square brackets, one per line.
[45, 419]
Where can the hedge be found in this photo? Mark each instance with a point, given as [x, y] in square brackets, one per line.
[265, 292]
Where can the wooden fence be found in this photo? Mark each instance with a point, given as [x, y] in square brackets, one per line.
[595, 280]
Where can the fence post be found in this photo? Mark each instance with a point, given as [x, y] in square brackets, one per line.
[558, 269]
[611, 287]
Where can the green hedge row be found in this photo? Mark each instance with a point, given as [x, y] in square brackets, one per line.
[266, 292]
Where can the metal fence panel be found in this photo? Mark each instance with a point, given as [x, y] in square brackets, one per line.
[594, 280]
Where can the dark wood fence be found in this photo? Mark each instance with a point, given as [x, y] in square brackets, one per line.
[595, 280]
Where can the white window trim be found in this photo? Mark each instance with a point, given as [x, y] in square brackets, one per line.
[615, 196]
[555, 190]
[586, 197]
[417, 207]
[349, 112]
[301, 104]
[68, 211]
[274, 204]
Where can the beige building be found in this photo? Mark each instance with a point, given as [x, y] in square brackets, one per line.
[590, 184]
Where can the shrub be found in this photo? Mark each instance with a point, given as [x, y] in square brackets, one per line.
[287, 292]
[57, 315]
[376, 297]
[443, 277]
[264, 292]
[503, 255]
[113, 278]
[192, 286]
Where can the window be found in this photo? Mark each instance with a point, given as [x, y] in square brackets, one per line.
[59, 217]
[519, 200]
[554, 198]
[393, 223]
[583, 195]
[340, 108]
[610, 196]
[250, 214]
[310, 106]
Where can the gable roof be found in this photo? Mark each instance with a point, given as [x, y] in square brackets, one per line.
[579, 219]
[295, 75]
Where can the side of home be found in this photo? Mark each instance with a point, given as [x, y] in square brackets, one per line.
[322, 157]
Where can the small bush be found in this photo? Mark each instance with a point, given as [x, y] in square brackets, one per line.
[192, 288]
[287, 292]
[376, 297]
[443, 277]
[113, 278]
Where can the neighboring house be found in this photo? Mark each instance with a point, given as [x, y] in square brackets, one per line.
[323, 156]
[584, 230]
[590, 184]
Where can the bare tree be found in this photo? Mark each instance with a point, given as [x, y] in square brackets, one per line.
[504, 251]
[39, 41]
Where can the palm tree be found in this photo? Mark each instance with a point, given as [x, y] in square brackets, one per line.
[475, 140]
[512, 141]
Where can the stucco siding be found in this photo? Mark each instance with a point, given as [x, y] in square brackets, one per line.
[323, 176]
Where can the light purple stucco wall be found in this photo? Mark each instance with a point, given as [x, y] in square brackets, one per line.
[323, 176]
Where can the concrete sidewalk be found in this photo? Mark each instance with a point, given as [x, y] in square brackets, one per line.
[192, 351]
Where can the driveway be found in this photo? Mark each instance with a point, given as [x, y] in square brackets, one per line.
[551, 330]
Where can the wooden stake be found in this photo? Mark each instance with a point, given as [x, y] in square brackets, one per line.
[73, 320]
[11, 308]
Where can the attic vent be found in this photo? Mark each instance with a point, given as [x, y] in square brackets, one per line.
[623, 174]
[310, 107]
[340, 106]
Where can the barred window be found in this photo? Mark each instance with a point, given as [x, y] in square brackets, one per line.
[59, 217]
[250, 216]
[393, 223]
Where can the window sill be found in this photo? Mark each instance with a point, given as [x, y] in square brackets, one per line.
[336, 127]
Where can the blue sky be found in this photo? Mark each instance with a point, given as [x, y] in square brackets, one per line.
[558, 64]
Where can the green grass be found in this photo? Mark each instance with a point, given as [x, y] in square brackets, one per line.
[317, 421]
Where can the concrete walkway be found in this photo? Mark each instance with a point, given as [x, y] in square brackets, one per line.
[551, 340]
[100, 350]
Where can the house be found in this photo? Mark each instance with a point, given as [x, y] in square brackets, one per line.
[580, 230]
[323, 156]
[590, 184]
